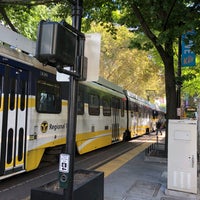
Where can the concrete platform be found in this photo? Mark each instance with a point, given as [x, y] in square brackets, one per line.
[138, 178]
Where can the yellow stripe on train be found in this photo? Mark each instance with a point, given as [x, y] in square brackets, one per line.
[84, 144]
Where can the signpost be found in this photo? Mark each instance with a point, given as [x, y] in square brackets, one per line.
[62, 46]
[72, 105]
[188, 56]
[64, 170]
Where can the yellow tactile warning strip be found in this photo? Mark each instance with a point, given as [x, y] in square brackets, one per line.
[115, 164]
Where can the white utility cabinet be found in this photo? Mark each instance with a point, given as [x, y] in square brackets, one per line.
[182, 155]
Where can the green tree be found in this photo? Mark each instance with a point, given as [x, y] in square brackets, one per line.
[119, 64]
[191, 81]
[162, 22]
[25, 19]
[130, 68]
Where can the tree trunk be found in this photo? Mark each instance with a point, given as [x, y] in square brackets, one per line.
[170, 82]
[170, 90]
[170, 87]
[166, 53]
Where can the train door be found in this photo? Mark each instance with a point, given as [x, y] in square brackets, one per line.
[134, 119]
[116, 119]
[14, 89]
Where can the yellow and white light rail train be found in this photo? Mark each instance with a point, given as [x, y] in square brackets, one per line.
[33, 113]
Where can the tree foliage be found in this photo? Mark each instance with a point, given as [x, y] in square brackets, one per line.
[160, 22]
[25, 19]
[120, 63]
[191, 81]
[132, 69]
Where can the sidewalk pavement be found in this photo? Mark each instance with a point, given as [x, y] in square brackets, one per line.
[142, 179]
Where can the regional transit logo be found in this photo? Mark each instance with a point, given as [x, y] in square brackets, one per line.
[54, 127]
[44, 127]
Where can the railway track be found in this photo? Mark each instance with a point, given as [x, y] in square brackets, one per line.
[19, 187]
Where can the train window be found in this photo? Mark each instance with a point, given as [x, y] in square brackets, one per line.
[80, 103]
[122, 108]
[148, 115]
[132, 104]
[48, 97]
[94, 104]
[145, 113]
[135, 107]
[154, 114]
[139, 114]
[1, 89]
[115, 103]
[12, 93]
[10, 146]
[115, 106]
[132, 113]
[20, 144]
[106, 106]
[22, 92]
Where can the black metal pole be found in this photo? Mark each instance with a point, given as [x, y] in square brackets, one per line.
[72, 106]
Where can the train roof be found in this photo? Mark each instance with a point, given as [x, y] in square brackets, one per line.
[18, 56]
[135, 98]
[110, 85]
[106, 86]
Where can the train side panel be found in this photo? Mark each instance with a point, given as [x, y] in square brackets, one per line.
[33, 114]
[47, 117]
[23, 139]
[139, 115]
[101, 123]
[34, 108]
[14, 108]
